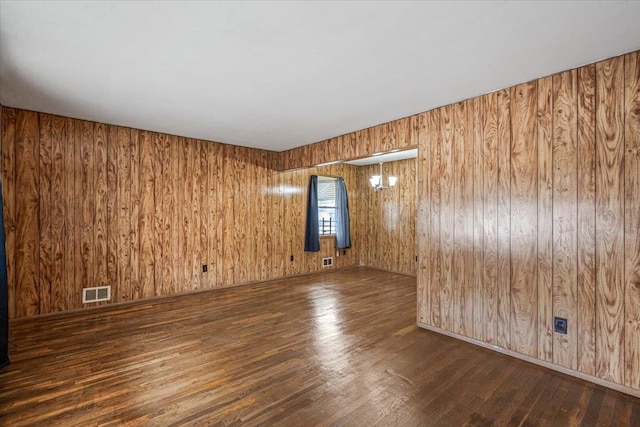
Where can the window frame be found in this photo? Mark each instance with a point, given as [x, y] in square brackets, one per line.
[322, 179]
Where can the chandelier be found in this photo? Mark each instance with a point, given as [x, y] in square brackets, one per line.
[377, 181]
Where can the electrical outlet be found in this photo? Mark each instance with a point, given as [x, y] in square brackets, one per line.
[204, 268]
[560, 325]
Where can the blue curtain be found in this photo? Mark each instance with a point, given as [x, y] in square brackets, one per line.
[4, 297]
[343, 237]
[312, 234]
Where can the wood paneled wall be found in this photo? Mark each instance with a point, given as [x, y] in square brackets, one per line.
[387, 226]
[88, 204]
[295, 184]
[398, 134]
[529, 208]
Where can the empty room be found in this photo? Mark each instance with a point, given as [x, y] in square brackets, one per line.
[307, 213]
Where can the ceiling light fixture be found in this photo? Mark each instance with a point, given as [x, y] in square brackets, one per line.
[377, 181]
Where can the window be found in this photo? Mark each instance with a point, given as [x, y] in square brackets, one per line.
[326, 205]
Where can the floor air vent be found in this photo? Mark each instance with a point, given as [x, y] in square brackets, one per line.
[327, 262]
[101, 293]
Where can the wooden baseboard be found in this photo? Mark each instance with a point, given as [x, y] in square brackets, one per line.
[103, 305]
[404, 273]
[609, 384]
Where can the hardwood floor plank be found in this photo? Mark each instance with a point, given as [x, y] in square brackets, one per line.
[334, 348]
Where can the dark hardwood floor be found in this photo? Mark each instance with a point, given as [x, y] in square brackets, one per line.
[336, 348]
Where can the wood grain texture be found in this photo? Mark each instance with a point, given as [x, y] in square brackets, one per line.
[447, 194]
[45, 267]
[146, 218]
[123, 215]
[100, 214]
[565, 197]
[586, 221]
[632, 220]
[27, 250]
[388, 221]
[159, 164]
[85, 184]
[490, 216]
[8, 139]
[545, 219]
[59, 291]
[112, 211]
[194, 185]
[70, 223]
[435, 210]
[572, 218]
[168, 238]
[524, 219]
[135, 290]
[478, 234]
[463, 216]
[610, 220]
[423, 237]
[504, 220]
[63, 246]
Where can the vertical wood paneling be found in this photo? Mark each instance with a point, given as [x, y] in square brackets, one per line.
[386, 236]
[610, 220]
[434, 144]
[632, 220]
[147, 216]
[136, 289]
[159, 164]
[9, 118]
[100, 220]
[187, 236]
[463, 211]
[27, 251]
[447, 197]
[230, 217]
[524, 219]
[173, 209]
[204, 213]
[545, 216]
[586, 221]
[504, 220]
[112, 209]
[44, 213]
[478, 234]
[565, 216]
[124, 214]
[166, 264]
[362, 232]
[220, 215]
[85, 132]
[59, 295]
[536, 188]
[277, 221]
[240, 218]
[70, 224]
[490, 217]
[195, 177]
[261, 221]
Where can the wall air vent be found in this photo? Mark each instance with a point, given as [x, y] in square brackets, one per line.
[101, 293]
[327, 262]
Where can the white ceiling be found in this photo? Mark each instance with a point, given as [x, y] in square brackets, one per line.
[277, 75]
